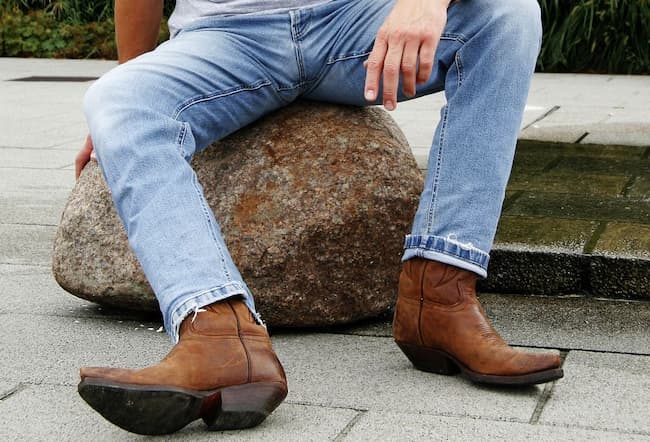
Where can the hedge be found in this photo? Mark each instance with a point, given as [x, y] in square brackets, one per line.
[599, 36]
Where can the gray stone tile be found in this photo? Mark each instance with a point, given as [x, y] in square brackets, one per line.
[7, 388]
[32, 289]
[45, 181]
[32, 207]
[49, 412]
[374, 426]
[26, 244]
[569, 323]
[630, 133]
[35, 158]
[567, 124]
[421, 155]
[571, 89]
[39, 348]
[602, 391]
[23, 67]
[372, 373]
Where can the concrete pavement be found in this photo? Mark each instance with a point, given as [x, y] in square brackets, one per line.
[345, 384]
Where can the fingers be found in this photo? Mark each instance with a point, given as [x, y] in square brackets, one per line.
[410, 66]
[394, 54]
[375, 66]
[425, 65]
[83, 157]
[392, 65]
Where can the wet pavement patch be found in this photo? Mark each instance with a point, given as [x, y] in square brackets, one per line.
[576, 220]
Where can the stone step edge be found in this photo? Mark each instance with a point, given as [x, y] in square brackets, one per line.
[536, 271]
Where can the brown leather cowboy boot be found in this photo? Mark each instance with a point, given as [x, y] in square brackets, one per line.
[441, 327]
[222, 370]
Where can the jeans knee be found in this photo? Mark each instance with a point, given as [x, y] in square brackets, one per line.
[521, 20]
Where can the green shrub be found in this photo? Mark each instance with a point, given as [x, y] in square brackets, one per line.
[40, 34]
[605, 36]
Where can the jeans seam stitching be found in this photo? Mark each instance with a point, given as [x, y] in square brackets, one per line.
[436, 177]
[210, 228]
[180, 141]
[215, 95]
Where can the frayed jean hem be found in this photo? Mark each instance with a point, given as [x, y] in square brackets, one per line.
[193, 303]
[448, 251]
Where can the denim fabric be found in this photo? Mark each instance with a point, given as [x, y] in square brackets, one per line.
[149, 116]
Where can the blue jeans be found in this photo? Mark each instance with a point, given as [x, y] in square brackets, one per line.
[149, 116]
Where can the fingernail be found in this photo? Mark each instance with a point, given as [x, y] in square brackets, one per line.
[370, 95]
[389, 105]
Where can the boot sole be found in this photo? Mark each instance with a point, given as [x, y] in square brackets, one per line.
[160, 409]
[440, 362]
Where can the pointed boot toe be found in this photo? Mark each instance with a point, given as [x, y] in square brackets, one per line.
[223, 370]
[441, 327]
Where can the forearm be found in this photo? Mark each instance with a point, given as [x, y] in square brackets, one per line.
[137, 23]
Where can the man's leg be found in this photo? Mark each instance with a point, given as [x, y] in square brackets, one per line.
[484, 62]
[147, 118]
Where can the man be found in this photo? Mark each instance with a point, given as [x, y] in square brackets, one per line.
[228, 63]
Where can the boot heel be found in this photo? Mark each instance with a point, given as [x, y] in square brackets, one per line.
[242, 406]
[427, 359]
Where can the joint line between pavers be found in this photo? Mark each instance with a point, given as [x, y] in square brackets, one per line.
[618, 431]
[591, 244]
[541, 402]
[540, 118]
[581, 137]
[546, 393]
[12, 391]
[628, 186]
[346, 430]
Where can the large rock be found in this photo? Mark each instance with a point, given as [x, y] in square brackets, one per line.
[313, 202]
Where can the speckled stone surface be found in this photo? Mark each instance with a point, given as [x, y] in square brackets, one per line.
[313, 202]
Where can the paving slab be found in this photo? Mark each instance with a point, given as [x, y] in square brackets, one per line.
[374, 426]
[364, 372]
[46, 181]
[567, 124]
[551, 246]
[26, 244]
[31, 208]
[574, 322]
[640, 188]
[23, 67]
[566, 182]
[29, 289]
[35, 158]
[602, 391]
[52, 412]
[57, 346]
[626, 240]
[633, 210]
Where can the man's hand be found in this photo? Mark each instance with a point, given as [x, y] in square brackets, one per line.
[83, 157]
[406, 43]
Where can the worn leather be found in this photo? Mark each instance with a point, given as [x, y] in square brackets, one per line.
[221, 346]
[437, 308]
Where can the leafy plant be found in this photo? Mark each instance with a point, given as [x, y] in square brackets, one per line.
[608, 36]
[605, 36]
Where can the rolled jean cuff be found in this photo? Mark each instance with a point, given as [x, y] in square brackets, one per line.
[191, 304]
[448, 251]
